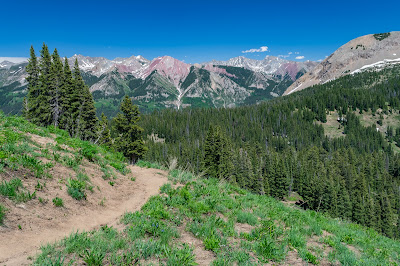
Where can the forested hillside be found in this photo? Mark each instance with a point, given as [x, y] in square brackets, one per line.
[279, 147]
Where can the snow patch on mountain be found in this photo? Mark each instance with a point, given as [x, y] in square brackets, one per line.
[378, 65]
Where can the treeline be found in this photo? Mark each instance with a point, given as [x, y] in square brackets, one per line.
[59, 97]
[277, 147]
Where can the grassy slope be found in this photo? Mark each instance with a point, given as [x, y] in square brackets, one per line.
[235, 226]
[34, 161]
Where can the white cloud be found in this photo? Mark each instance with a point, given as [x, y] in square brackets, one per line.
[259, 50]
[283, 56]
[290, 53]
[300, 57]
[320, 60]
[296, 53]
[14, 59]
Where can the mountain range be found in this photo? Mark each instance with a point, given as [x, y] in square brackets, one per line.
[168, 82]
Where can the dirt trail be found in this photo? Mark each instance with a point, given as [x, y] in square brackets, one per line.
[17, 245]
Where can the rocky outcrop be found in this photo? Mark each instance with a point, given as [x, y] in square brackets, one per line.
[357, 55]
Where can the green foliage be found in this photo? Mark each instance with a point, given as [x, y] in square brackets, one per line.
[309, 257]
[246, 217]
[13, 189]
[217, 155]
[58, 97]
[212, 243]
[89, 151]
[129, 139]
[104, 135]
[146, 164]
[381, 36]
[2, 213]
[93, 257]
[76, 189]
[181, 256]
[58, 202]
[10, 189]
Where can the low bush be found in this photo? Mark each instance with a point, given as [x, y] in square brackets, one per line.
[76, 189]
[89, 152]
[10, 189]
[58, 202]
[2, 213]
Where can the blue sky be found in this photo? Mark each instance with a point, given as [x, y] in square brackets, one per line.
[193, 31]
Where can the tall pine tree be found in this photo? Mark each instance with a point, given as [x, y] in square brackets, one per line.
[42, 111]
[56, 87]
[103, 134]
[84, 111]
[129, 138]
[67, 95]
[33, 85]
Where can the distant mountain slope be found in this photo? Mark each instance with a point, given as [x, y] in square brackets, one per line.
[366, 52]
[166, 82]
[270, 65]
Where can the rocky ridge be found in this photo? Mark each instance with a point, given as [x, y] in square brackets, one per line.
[363, 53]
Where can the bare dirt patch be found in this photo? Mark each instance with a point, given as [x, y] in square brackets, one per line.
[42, 141]
[326, 233]
[332, 126]
[354, 250]
[203, 256]
[222, 217]
[243, 228]
[293, 258]
[43, 223]
[315, 243]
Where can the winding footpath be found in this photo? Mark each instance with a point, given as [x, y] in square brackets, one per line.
[16, 247]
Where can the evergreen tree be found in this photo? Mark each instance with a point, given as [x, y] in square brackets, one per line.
[32, 69]
[56, 87]
[68, 97]
[42, 111]
[225, 167]
[388, 219]
[104, 136]
[129, 139]
[25, 108]
[210, 161]
[84, 111]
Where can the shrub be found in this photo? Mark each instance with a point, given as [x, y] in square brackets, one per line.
[120, 167]
[2, 213]
[212, 243]
[58, 202]
[32, 163]
[89, 152]
[10, 189]
[381, 36]
[76, 189]
[266, 247]
[309, 257]
[93, 257]
[183, 256]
